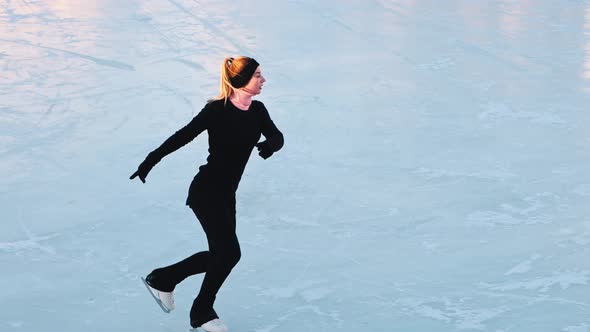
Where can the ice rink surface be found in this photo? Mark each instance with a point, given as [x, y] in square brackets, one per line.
[435, 175]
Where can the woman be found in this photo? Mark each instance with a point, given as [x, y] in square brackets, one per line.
[234, 123]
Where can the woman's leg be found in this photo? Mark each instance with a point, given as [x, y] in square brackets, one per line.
[219, 223]
[166, 278]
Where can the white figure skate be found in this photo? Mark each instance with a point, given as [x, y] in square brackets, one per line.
[164, 299]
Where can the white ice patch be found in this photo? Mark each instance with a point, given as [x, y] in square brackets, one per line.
[316, 293]
[530, 211]
[564, 280]
[577, 328]
[582, 189]
[6, 142]
[266, 328]
[493, 218]
[497, 111]
[457, 312]
[430, 174]
[16, 325]
[290, 291]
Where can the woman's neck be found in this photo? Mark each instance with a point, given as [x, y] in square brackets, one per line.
[241, 99]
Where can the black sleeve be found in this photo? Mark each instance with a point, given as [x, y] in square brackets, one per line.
[274, 137]
[183, 136]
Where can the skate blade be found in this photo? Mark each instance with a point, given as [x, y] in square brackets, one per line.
[158, 301]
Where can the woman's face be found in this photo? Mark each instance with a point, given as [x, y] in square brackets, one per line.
[254, 86]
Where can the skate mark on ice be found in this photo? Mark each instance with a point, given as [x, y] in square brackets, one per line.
[313, 294]
[564, 280]
[212, 27]
[33, 242]
[396, 9]
[522, 267]
[118, 126]
[98, 61]
[480, 51]
[330, 17]
[529, 299]
[191, 64]
[169, 43]
[45, 114]
[438, 64]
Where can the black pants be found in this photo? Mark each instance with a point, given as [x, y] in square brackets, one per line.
[217, 215]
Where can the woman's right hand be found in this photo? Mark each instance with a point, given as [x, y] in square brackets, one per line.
[144, 168]
[137, 173]
[142, 172]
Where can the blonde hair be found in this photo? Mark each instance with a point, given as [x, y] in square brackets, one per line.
[230, 68]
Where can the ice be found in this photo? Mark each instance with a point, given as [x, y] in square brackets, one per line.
[434, 176]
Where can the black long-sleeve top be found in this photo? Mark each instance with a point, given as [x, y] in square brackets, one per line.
[233, 134]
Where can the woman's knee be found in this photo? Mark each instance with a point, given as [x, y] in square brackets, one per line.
[234, 256]
[227, 256]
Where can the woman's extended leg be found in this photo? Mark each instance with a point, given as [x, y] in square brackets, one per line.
[166, 278]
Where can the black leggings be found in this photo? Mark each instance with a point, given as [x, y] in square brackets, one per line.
[217, 215]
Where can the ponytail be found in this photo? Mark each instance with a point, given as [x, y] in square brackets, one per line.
[225, 89]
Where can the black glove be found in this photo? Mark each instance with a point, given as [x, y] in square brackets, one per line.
[264, 150]
[144, 168]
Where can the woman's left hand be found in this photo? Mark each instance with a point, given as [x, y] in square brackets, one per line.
[264, 150]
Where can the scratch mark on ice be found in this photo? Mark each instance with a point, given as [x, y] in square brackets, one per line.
[98, 61]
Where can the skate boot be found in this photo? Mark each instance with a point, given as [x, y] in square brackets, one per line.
[209, 322]
[215, 325]
[164, 296]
